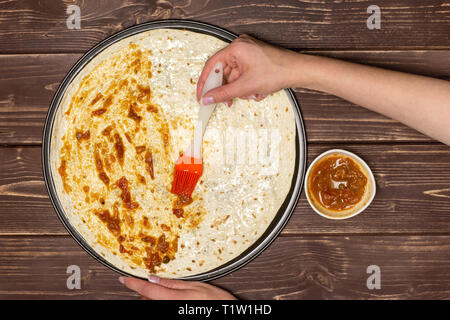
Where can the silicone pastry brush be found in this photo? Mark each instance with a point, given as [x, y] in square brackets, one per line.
[189, 166]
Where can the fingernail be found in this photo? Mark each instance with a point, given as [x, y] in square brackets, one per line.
[153, 279]
[207, 101]
[122, 280]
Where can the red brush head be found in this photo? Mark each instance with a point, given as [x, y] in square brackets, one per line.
[187, 172]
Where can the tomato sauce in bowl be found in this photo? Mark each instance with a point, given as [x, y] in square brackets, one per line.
[339, 184]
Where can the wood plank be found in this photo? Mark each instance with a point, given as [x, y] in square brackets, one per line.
[316, 267]
[413, 192]
[40, 26]
[28, 83]
[27, 86]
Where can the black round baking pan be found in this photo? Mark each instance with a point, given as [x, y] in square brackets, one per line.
[281, 217]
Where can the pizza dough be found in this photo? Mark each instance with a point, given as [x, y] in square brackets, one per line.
[119, 129]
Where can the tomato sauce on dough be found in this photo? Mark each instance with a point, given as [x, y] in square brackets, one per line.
[337, 183]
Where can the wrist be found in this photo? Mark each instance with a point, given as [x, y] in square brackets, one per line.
[302, 71]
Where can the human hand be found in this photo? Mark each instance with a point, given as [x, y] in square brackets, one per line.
[252, 70]
[167, 289]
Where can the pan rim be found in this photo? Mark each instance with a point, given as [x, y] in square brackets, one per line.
[282, 216]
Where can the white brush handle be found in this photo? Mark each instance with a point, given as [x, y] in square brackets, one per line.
[213, 81]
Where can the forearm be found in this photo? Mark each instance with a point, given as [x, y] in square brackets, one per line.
[420, 102]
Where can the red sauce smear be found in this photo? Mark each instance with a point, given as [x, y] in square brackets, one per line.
[152, 260]
[123, 83]
[96, 99]
[178, 212]
[63, 173]
[112, 221]
[107, 131]
[123, 250]
[98, 112]
[122, 183]
[144, 93]
[107, 102]
[99, 166]
[149, 239]
[152, 108]
[179, 204]
[149, 161]
[160, 251]
[120, 149]
[83, 135]
[140, 149]
[163, 245]
[133, 115]
[145, 222]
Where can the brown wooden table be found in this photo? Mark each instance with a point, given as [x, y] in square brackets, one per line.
[406, 230]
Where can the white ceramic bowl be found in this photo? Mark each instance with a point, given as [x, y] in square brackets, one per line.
[369, 175]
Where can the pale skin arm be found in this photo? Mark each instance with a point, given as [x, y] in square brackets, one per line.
[256, 69]
[421, 103]
[253, 69]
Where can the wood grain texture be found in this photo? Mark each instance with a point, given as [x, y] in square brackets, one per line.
[315, 267]
[406, 230]
[413, 194]
[28, 83]
[40, 26]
